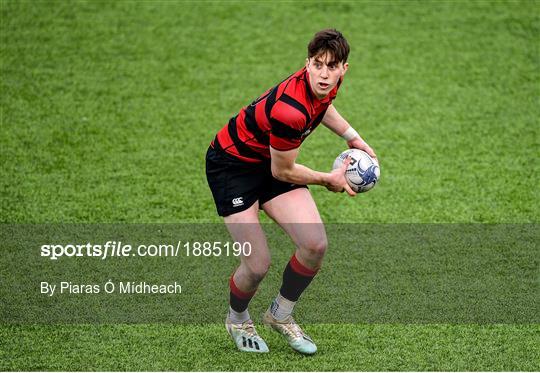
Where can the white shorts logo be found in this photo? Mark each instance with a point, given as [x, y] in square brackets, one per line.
[238, 202]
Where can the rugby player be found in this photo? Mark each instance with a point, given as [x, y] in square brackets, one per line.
[251, 166]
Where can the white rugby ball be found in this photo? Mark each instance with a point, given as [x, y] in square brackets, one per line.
[363, 171]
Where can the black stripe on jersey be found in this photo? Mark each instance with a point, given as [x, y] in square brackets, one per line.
[252, 126]
[285, 132]
[295, 104]
[270, 101]
[242, 148]
[318, 119]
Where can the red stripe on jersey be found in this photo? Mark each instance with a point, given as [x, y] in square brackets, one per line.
[289, 115]
[224, 139]
[288, 126]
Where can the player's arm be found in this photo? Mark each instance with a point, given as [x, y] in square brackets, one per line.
[335, 122]
[285, 168]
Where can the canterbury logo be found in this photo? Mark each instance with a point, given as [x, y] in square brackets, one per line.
[239, 201]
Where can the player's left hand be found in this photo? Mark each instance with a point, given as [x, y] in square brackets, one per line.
[336, 181]
[358, 143]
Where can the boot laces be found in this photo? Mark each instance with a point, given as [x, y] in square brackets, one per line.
[292, 328]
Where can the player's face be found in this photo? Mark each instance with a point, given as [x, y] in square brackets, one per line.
[324, 73]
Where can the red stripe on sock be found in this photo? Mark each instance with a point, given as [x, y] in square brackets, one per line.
[300, 268]
[239, 293]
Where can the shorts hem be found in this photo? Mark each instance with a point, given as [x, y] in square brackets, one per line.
[263, 200]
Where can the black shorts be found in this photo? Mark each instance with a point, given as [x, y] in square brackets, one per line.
[237, 185]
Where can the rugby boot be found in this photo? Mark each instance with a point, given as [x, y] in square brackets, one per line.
[245, 336]
[292, 332]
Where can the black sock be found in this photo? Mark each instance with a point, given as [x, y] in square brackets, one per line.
[239, 299]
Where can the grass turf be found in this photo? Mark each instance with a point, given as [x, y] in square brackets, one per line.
[343, 347]
[107, 109]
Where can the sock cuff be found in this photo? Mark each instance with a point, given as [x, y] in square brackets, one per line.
[301, 269]
[284, 301]
[239, 293]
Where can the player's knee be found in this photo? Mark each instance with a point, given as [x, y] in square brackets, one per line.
[258, 271]
[316, 248]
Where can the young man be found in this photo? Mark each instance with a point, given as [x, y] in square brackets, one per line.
[251, 165]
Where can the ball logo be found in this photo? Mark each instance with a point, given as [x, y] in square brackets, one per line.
[368, 176]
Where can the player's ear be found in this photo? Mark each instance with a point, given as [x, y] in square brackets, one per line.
[345, 68]
[307, 62]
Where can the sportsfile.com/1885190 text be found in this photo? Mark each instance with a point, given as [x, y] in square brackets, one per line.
[111, 249]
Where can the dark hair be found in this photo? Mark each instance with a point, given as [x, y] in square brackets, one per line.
[329, 40]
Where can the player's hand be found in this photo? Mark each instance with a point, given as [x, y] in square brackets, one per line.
[358, 143]
[337, 182]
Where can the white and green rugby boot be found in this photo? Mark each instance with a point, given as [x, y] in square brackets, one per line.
[292, 332]
[245, 336]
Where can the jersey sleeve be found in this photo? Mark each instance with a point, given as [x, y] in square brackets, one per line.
[287, 124]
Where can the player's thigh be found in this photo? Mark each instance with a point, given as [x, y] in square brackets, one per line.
[296, 212]
[245, 228]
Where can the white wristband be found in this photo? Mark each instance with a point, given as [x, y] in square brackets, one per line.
[350, 134]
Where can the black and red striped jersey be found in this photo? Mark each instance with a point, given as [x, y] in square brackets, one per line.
[282, 118]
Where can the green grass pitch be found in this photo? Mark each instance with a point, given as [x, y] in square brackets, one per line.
[107, 109]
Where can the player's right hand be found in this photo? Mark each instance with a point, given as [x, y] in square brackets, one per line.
[337, 182]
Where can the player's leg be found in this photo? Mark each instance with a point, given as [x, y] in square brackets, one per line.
[296, 212]
[234, 187]
[245, 227]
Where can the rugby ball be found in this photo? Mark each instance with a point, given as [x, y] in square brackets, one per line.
[363, 171]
